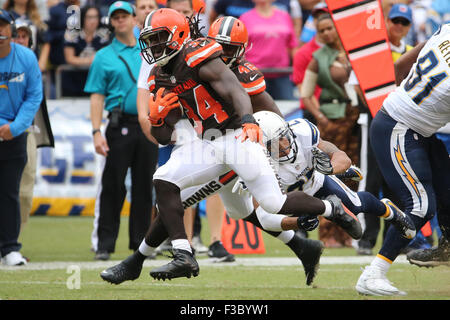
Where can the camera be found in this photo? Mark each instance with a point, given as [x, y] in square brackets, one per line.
[116, 115]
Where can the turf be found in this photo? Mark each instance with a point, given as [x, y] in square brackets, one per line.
[47, 239]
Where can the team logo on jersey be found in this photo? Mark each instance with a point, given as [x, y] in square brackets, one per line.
[173, 79]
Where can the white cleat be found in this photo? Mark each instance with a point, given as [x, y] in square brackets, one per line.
[14, 258]
[372, 282]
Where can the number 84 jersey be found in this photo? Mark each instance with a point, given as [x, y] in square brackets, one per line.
[422, 101]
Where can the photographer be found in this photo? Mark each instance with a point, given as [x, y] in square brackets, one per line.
[112, 83]
[20, 97]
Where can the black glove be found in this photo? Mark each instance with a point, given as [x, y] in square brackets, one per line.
[307, 223]
[321, 161]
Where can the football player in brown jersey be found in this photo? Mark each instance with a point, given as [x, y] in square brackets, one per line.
[229, 138]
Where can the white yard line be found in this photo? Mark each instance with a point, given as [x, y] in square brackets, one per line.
[254, 261]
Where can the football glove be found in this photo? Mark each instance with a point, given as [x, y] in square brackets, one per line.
[160, 106]
[251, 129]
[240, 188]
[307, 223]
[321, 161]
[353, 173]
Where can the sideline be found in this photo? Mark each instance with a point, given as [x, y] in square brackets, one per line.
[248, 262]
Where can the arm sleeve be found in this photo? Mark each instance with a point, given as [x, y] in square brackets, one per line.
[33, 98]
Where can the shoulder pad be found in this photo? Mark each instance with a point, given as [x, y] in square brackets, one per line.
[201, 50]
[250, 77]
[306, 131]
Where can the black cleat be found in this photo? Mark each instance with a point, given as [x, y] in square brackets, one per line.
[309, 252]
[344, 218]
[217, 252]
[128, 269]
[182, 265]
[433, 257]
[401, 221]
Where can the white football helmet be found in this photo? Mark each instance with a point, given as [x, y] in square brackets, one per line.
[274, 128]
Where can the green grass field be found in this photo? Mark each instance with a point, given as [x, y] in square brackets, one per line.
[67, 240]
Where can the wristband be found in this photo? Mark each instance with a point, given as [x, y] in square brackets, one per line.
[95, 131]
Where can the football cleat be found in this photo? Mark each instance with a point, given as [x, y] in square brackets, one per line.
[182, 265]
[309, 252]
[401, 221]
[373, 282]
[219, 253]
[344, 218]
[128, 269]
[433, 257]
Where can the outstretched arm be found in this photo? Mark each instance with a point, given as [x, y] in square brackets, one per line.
[338, 158]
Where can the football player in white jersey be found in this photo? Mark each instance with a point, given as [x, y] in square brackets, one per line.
[414, 162]
[305, 162]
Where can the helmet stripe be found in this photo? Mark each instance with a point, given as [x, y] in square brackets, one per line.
[226, 26]
[148, 20]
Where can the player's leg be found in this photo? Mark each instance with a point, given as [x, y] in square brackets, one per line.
[307, 250]
[440, 166]
[255, 170]
[192, 164]
[403, 156]
[143, 166]
[358, 202]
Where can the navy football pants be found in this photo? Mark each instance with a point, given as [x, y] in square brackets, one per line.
[417, 169]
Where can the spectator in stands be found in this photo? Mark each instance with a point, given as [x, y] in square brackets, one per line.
[303, 57]
[112, 84]
[26, 11]
[80, 46]
[309, 28]
[438, 14]
[52, 51]
[20, 96]
[143, 8]
[336, 117]
[237, 8]
[272, 41]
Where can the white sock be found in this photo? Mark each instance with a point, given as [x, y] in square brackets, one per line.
[381, 264]
[286, 236]
[328, 209]
[145, 249]
[269, 221]
[182, 244]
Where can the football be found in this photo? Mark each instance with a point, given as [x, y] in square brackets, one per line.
[173, 116]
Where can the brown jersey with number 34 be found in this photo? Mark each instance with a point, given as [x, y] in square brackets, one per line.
[201, 103]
